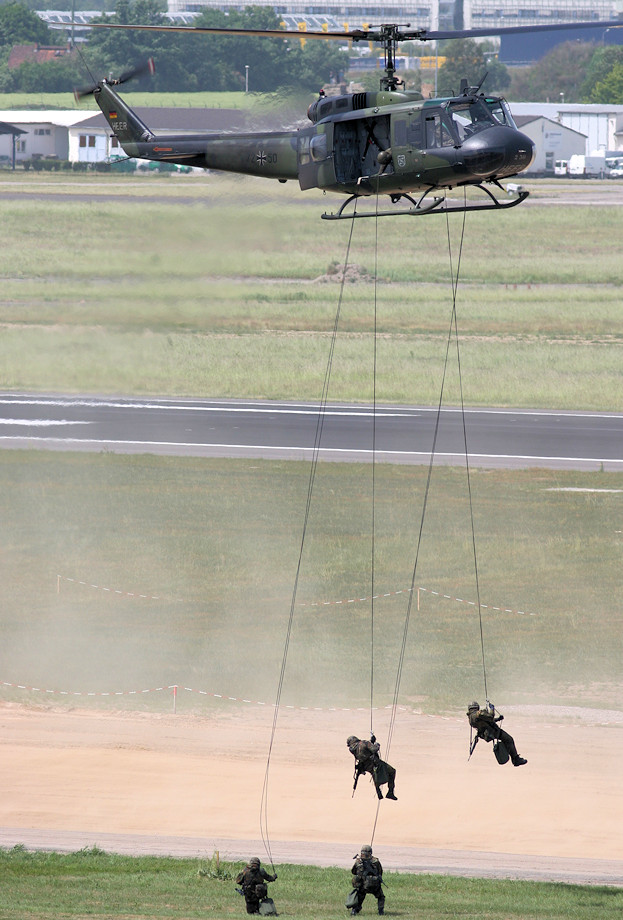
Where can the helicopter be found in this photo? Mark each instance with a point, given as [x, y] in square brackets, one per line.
[391, 142]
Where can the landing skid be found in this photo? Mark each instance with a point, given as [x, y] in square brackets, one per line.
[415, 211]
[436, 205]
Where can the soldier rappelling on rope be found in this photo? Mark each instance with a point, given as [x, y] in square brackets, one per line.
[368, 760]
[485, 722]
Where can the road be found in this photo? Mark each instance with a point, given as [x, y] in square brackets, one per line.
[254, 429]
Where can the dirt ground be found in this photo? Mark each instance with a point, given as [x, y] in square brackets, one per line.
[188, 785]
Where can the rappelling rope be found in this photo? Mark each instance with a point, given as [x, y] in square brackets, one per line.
[373, 522]
[310, 489]
[454, 278]
[467, 466]
[373, 541]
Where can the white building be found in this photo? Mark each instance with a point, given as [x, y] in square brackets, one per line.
[62, 135]
[552, 141]
[602, 125]
[85, 137]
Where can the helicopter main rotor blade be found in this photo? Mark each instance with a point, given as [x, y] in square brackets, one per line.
[374, 33]
[518, 30]
[249, 33]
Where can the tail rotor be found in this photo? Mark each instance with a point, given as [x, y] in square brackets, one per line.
[147, 67]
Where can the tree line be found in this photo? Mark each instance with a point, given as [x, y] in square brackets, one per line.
[573, 71]
[184, 63]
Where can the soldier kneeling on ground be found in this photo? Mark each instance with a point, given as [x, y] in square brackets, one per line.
[368, 879]
[252, 881]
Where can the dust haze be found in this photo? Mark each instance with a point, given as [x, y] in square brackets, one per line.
[215, 547]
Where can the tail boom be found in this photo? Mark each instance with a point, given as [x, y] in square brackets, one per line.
[273, 155]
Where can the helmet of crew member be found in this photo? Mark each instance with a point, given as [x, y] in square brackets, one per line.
[352, 739]
[473, 705]
[254, 863]
[366, 850]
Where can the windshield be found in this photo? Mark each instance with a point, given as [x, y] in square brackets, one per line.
[470, 116]
[500, 111]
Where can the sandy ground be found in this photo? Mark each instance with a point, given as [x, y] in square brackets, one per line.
[189, 785]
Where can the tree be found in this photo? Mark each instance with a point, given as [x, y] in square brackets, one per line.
[61, 75]
[469, 60]
[609, 91]
[601, 72]
[20, 26]
[561, 73]
[209, 62]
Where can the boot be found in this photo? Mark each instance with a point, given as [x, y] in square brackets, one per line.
[390, 795]
[519, 762]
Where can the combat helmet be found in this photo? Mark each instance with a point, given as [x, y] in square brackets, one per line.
[366, 851]
[474, 705]
[352, 739]
[254, 863]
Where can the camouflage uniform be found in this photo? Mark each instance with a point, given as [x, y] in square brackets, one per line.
[367, 760]
[485, 723]
[253, 880]
[368, 873]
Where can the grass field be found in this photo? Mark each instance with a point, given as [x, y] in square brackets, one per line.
[158, 285]
[214, 546]
[228, 100]
[205, 286]
[41, 886]
[144, 285]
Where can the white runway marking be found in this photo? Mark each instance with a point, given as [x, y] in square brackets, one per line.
[40, 422]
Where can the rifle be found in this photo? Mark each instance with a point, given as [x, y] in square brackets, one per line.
[472, 746]
[357, 774]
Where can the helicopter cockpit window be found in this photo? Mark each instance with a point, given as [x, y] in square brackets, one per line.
[438, 132]
[500, 111]
[318, 147]
[470, 117]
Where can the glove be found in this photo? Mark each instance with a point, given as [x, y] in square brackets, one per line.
[373, 739]
[275, 877]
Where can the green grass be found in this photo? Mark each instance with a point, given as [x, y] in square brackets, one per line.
[215, 543]
[161, 285]
[91, 883]
[227, 100]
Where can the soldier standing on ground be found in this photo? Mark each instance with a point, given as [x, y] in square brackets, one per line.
[253, 880]
[368, 879]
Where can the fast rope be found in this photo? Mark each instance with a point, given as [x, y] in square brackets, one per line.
[373, 521]
[310, 490]
[452, 333]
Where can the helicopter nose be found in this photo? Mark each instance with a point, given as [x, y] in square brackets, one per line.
[499, 151]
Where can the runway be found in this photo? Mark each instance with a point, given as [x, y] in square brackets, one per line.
[295, 431]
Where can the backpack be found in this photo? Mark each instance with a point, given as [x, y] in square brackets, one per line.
[267, 907]
[500, 751]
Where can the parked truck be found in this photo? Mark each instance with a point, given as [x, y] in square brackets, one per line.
[587, 167]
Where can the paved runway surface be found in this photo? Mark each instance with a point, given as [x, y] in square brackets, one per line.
[238, 428]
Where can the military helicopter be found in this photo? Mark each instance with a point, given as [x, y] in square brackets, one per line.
[391, 142]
